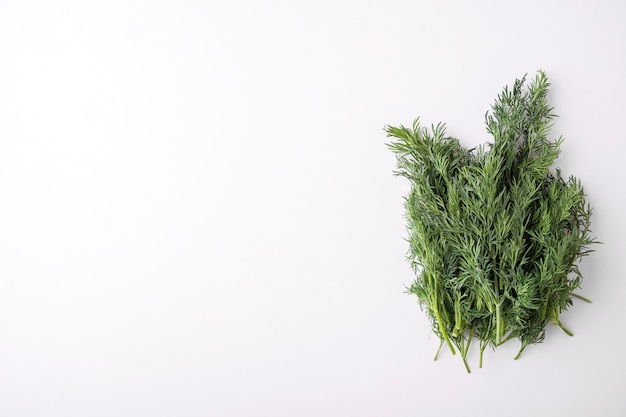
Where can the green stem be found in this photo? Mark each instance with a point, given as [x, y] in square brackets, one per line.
[458, 319]
[442, 329]
[498, 323]
[463, 349]
[581, 297]
[469, 340]
[439, 349]
[482, 349]
[520, 351]
[565, 329]
[466, 366]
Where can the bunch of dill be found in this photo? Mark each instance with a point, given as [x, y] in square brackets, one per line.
[495, 235]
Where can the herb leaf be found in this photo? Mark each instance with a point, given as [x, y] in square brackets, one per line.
[495, 235]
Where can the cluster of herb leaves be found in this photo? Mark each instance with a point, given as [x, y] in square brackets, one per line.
[495, 235]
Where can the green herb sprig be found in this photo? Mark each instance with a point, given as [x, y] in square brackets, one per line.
[495, 235]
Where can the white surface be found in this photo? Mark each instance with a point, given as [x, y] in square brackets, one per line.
[198, 216]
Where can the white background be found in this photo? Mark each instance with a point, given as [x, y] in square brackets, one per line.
[198, 215]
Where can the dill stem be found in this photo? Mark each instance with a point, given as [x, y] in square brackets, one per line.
[463, 348]
[466, 365]
[581, 297]
[498, 323]
[438, 349]
[482, 349]
[442, 328]
[520, 352]
[443, 331]
[565, 329]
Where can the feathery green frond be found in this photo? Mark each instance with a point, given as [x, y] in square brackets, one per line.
[495, 234]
